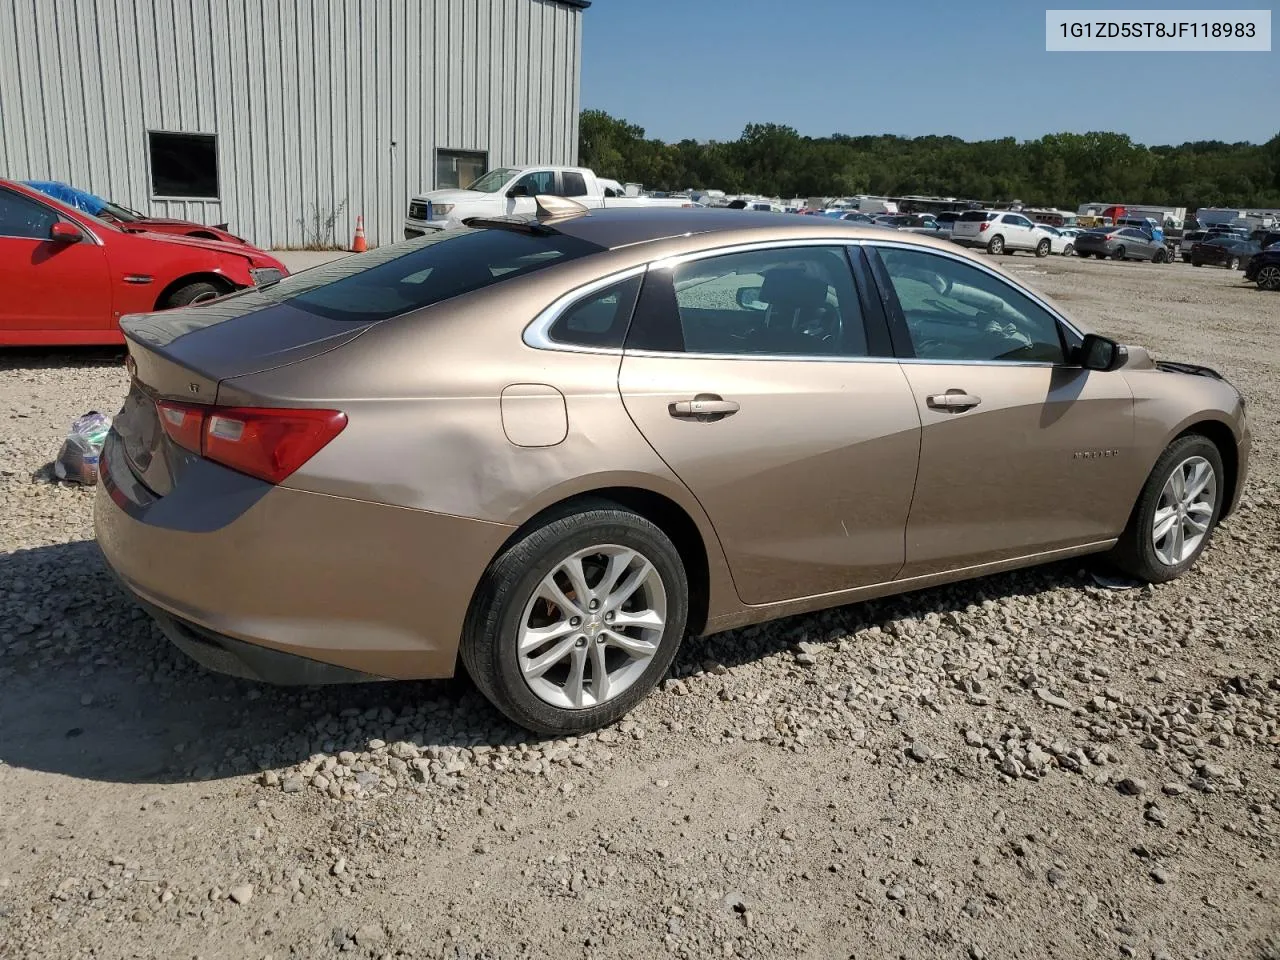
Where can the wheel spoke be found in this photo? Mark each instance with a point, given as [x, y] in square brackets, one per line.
[1179, 484]
[531, 638]
[1175, 548]
[1163, 526]
[536, 666]
[628, 586]
[548, 589]
[640, 649]
[1197, 526]
[1200, 476]
[618, 563]
[574, 687]
[572, 568]
[1200, 507]
[649, 619]
[600, 680]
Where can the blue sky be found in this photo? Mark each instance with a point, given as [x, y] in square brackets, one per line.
[705, 68]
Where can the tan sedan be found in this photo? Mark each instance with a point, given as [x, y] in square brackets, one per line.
[556, 447]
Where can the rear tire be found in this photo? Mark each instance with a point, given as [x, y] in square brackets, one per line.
[1101, 256]
[1137, 552]
[1043, 248]
[1233, 263]
[1159, 257]
[199, 292]
[1269, 277]
[995, 245]
[510, 596]
[1118, 253]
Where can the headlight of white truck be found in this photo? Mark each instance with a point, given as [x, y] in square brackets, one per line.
[439, 211]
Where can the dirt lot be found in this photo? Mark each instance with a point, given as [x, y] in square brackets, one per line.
[1029, 765]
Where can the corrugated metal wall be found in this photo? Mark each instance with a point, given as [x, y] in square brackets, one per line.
[315, 102]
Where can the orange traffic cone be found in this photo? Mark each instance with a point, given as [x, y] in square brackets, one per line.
[357, 244]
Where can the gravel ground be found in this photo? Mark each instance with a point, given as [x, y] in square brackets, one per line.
[1029, 765]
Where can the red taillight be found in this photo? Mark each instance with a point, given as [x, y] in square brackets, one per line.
[1109, 236]
[269, 443]
[183, 422]
[983, 225]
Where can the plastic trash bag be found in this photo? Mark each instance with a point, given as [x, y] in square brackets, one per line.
[78, 459]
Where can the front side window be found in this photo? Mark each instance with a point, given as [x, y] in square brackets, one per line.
[22, 217]
[540, 181]
[599, 319]
[955, 311]
[458, 168]
[797, 301]
[183, 165]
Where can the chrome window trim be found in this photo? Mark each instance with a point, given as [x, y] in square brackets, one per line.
[537, 332]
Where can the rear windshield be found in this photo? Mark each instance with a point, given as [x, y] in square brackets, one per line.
[401, 277]
[976, 216]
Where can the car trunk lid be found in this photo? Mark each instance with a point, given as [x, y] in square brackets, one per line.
[185, 354]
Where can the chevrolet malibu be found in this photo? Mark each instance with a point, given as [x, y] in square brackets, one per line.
[552, 448]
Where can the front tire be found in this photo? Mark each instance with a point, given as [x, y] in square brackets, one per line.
[576, 621]
[1068, 250]
[199, 292]
[1233, 263]
[1269, 278]
[995, 245]
[1159, 257]
[1176, 513]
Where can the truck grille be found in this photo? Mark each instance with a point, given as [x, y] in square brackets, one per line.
[419, 210]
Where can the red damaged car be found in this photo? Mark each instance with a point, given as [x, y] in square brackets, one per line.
[91, 203]
[66, 277]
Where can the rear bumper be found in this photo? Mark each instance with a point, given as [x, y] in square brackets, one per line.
[375, 590]
[237, 658]
[975, 241]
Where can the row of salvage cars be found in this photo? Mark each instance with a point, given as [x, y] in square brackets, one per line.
[69, 274]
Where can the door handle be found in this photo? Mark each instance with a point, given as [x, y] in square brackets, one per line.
[707, 407]
[955, 400]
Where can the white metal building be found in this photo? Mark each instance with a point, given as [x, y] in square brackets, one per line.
[269, 114]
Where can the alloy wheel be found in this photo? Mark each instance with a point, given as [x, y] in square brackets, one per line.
[1269, 278]
[1182, 517]
[592, 626]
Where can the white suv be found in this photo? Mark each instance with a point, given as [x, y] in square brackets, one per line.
[1001, 231]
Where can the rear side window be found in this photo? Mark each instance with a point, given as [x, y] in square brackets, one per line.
[599, 319]
[401, 277]
[572, 184]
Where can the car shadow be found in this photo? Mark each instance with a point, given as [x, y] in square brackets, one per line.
[89, 688]
[59, 358]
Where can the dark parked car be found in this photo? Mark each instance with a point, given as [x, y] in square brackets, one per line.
[1189, 239]
[1224, 251]
[1120, 243]
[1264, 268]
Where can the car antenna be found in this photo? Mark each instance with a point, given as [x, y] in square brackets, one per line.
[559, 208]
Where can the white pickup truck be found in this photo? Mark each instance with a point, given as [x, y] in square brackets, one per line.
[510, 191]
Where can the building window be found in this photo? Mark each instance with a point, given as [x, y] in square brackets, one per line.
[460, 168]
[183, 165]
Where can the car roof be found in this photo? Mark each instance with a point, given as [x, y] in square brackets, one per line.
[624, 227]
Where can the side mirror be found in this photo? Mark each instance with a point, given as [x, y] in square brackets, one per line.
[1099, 353]
[519, 190]
[63, 232]
[749, 299]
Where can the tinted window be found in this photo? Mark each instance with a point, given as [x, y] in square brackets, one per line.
[183, 164]
[21, 217]
[797, 301]
[976, 216]
[955, 311]
[572, 184]
[1016, 220]
[400, 277]
[540, 181]
[599, 319]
